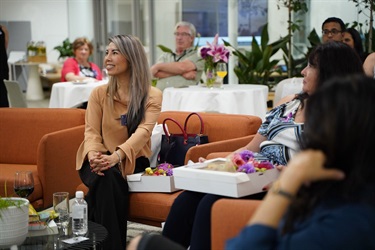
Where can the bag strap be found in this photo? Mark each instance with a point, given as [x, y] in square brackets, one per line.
[177, 123]
[200, 118]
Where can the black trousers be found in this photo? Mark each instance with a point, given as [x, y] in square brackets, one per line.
[157, 242]
[108, 201]
[3, 95]
[189, 221]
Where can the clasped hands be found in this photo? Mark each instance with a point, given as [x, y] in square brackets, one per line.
[100, 162]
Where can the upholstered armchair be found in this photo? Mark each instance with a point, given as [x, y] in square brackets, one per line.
[44, 141]
[228, 217]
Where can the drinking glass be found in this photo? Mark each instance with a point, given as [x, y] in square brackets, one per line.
[61, 208]
[23, 183]
[221, 70]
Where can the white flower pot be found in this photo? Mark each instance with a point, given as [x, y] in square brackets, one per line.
[14, 223]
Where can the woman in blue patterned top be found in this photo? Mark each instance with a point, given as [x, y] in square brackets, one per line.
[189, 221]
[336, 210]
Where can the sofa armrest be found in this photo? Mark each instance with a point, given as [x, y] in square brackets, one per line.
[220, 146]
[228, 217]
[57, 160]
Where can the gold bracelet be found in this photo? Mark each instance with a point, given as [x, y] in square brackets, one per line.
[276, 189]
[119, 158]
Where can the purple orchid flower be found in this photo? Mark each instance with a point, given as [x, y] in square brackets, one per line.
[246, 155]
[204, 52]
[247, 168]
[167, 168]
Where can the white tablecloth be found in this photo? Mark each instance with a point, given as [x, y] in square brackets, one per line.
[246, 99]
[70, 95]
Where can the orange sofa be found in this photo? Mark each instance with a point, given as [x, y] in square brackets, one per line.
[44, 141]
[153, 208]
[228, 217]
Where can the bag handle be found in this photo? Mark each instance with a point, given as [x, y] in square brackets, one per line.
[200, 118]
[178, 124]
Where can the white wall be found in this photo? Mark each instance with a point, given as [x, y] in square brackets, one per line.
[80, 19]
[168, 14]
[52, 21]
[49, 20]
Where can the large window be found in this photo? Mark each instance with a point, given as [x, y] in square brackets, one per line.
[211, 17]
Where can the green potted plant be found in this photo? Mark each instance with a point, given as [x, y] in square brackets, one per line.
[256, 66]
[65, 49]
[14, 220]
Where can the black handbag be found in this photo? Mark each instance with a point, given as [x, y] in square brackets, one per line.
[174, 146]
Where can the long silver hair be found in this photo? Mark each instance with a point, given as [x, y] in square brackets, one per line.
[140, 78]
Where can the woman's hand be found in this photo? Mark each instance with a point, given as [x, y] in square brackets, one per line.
[308, 166]
[100, 162]
[201, 159]
[305, 167]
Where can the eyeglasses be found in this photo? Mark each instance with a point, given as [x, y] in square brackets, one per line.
[333, 32]
[184, 34]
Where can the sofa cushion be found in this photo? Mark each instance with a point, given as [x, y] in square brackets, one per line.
[151, 206]
[22, 128]
[7, 172]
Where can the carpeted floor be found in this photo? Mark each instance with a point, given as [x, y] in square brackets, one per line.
[135, 229]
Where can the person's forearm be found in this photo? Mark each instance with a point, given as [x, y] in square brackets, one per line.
[276, 202]
[162, 74]
[73, 77]
[175, 68]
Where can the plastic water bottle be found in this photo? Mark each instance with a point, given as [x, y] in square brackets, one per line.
[79, 215]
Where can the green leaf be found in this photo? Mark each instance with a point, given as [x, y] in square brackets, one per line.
[264, 37]
[165, 49]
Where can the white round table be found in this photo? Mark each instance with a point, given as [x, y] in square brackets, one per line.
[70, 95]
[246, 99]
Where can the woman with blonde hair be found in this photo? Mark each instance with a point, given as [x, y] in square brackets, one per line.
[120, 117]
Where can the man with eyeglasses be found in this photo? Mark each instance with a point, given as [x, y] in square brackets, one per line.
[182, 67]
[332, 30]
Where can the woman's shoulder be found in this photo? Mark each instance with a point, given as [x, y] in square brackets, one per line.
[155, 91]
[370, 60]
[69, 61]
[155, 95]
[100, 90]
[368, 65]
[286, 99]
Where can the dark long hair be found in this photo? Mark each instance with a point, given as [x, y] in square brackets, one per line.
[333, 59]
[358, 46]
[340, 121]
